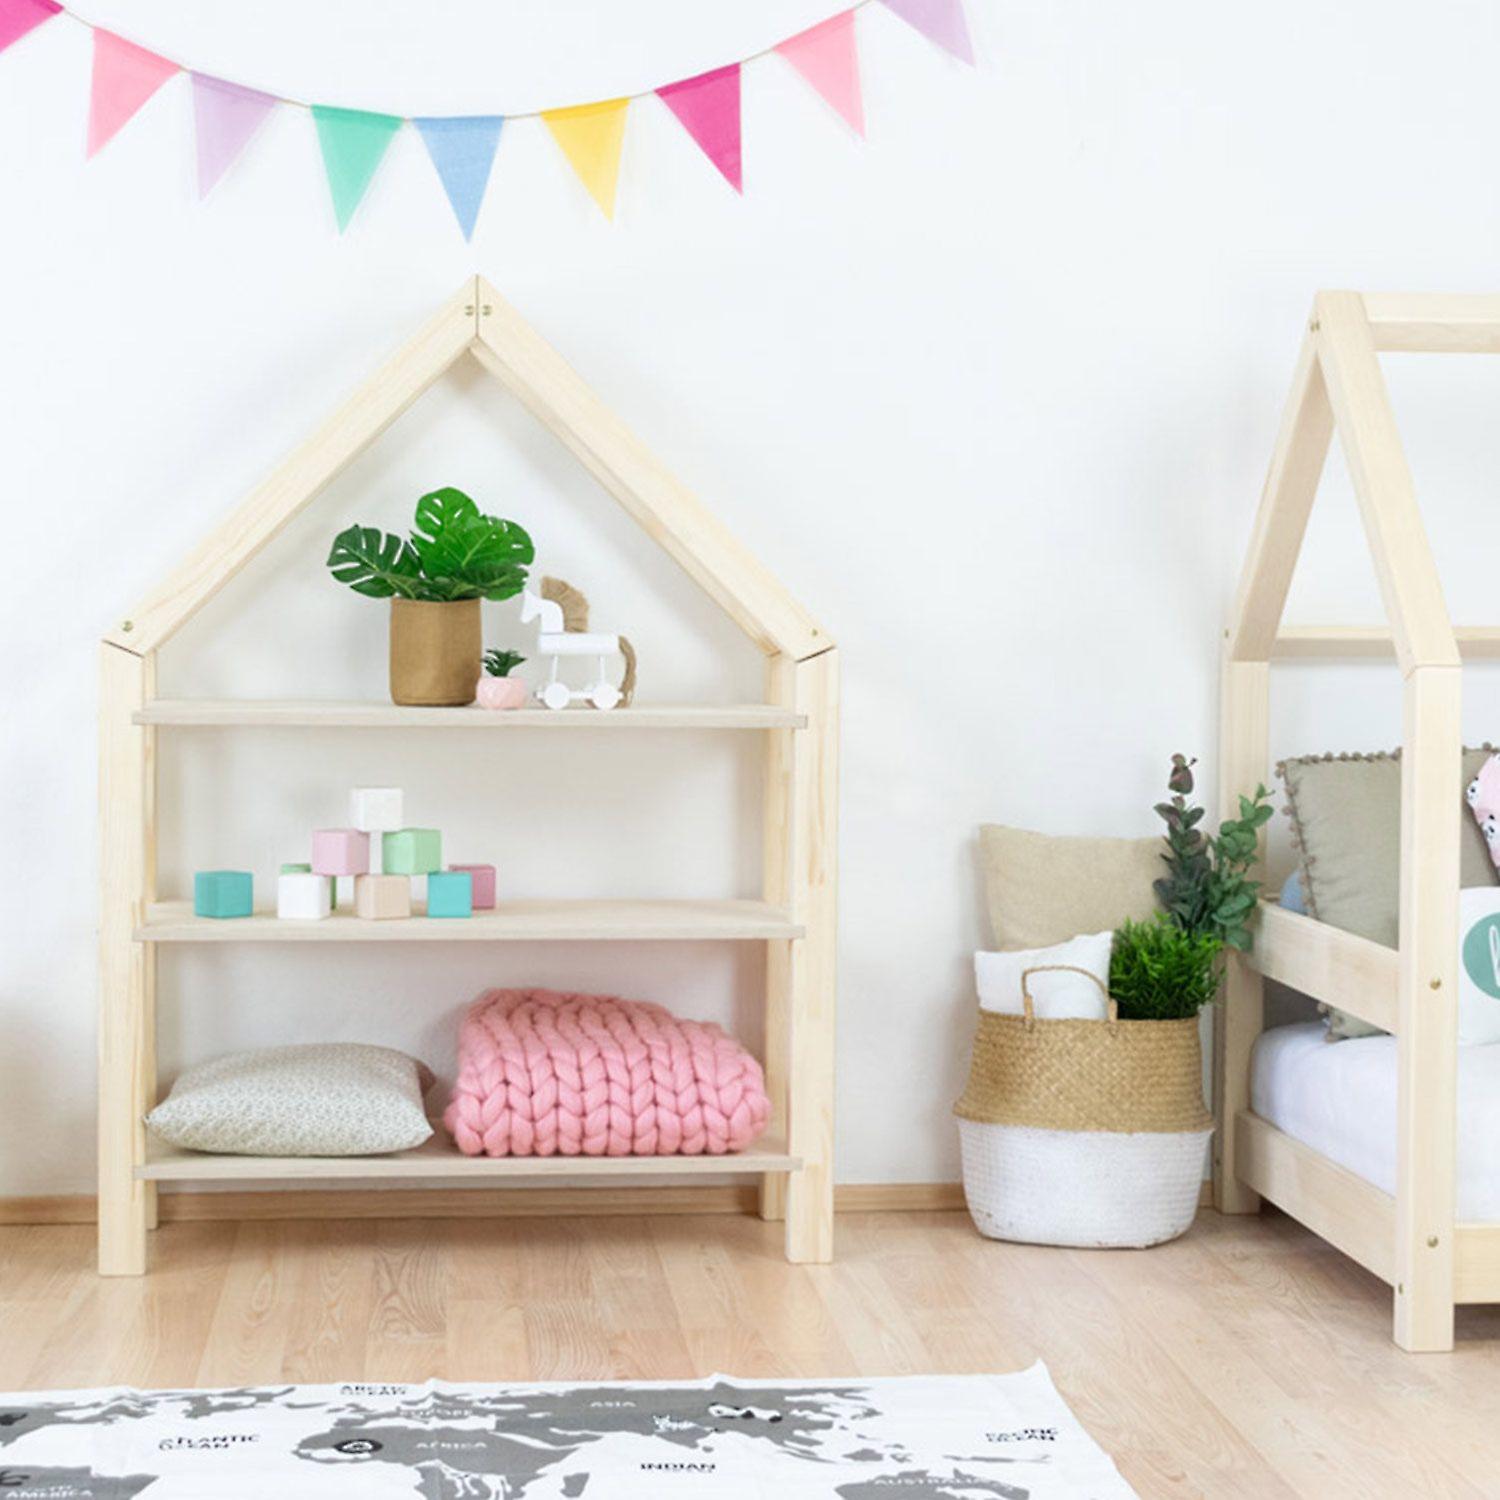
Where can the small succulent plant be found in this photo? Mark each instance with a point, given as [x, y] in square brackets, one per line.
[502, 663]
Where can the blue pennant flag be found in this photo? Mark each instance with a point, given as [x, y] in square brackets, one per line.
[462, 149]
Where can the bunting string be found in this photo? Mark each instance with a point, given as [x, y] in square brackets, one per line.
[227, 114]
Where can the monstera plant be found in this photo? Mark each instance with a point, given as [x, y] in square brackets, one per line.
[454, 556]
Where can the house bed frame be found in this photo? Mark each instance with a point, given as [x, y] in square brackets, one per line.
[794, 914]
[1411, 1239]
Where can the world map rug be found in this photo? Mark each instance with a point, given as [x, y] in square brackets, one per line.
[948, 1437]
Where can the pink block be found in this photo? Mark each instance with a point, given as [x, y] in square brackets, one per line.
[483, 877]
[340, 851]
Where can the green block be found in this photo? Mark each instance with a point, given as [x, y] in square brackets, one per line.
[223, 893]
[411, 851]
[450, 893]
[296, 869]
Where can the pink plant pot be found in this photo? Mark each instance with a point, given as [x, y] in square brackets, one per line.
[500, 692]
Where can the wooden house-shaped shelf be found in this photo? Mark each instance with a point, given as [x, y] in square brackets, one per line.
[794, 914]
[1409, 1238]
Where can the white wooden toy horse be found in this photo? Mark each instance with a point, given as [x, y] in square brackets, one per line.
[564, 615]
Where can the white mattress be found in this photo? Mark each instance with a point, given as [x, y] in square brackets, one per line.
[1340, 1099]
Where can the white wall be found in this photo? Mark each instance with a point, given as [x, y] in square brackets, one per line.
[992, 393]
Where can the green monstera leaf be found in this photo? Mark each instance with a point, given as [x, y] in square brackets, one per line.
[376, 563]
[465, 553]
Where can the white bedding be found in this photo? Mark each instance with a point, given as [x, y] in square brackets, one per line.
[1340, 1099]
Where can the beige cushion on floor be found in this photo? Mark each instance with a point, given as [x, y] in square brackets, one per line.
[1044, 889]
[323, 1099]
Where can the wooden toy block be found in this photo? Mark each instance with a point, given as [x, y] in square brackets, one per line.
[301, 867]
[450, 893]
[411, 851]
[483, 877]
[340, 851]
[376, 809]
[303, 897]
[377, 897]
[223, 893]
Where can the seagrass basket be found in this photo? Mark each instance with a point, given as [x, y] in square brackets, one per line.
[1083, 1133]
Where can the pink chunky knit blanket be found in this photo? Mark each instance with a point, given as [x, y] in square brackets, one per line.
[546, 1074]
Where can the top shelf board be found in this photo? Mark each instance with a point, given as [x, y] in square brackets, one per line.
[294, 713]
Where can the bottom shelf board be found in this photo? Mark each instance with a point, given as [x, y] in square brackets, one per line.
[437, 1158]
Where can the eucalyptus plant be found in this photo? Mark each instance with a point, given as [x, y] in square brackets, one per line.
[1170, 967]
[454, 551]
[1207, 887]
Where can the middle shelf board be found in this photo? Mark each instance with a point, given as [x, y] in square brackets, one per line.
[438, 1158]
[297, 713]
[510, 921]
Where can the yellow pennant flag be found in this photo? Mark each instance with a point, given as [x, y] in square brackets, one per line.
[591, 136]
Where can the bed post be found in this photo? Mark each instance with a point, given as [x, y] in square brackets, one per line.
[1427, 1007]
[1244, 721]
[1431, 806]
[1244, 738]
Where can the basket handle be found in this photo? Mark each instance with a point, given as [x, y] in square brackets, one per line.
[1028, 1005]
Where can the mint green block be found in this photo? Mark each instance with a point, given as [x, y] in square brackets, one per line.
[411, 851]
[296, 869]
[450, 893]
[223, 893]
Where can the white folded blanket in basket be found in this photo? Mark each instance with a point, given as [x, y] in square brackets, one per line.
[1059, 995]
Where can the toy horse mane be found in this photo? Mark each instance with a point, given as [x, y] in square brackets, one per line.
[574, 603]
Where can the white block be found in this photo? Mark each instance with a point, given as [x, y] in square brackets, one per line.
[375, 809]
[302, 898]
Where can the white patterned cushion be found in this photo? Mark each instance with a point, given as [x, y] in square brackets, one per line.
[324, 1099]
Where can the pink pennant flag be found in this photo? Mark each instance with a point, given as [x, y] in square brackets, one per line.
[940, 21]
[125, 77]
[17, 17]
[824, 55]
[225, 116]
[709, 108]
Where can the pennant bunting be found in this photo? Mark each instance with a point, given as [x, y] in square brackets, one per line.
[709, 108]
[591, 136]
[125, 77]
[463, 150]
[825, 56]
[17, 17]
[353, 143]
[940, 21]
[225, 116]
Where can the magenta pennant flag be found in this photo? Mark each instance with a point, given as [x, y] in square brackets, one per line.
[125, 77]
[824, 55]
[225, 116]
[940, 21]
[709, 108]
[17, 17]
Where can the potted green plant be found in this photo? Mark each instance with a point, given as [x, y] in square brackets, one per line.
[435, 577]
[497, 688]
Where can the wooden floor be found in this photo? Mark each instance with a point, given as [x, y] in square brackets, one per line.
[1247, 1359]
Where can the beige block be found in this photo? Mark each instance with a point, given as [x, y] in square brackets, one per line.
[380, 896]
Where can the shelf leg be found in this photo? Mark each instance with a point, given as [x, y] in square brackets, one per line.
[776, 888]
[126, 1050]
[812, 982]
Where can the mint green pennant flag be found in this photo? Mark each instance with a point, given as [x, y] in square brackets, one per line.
[353, 142]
